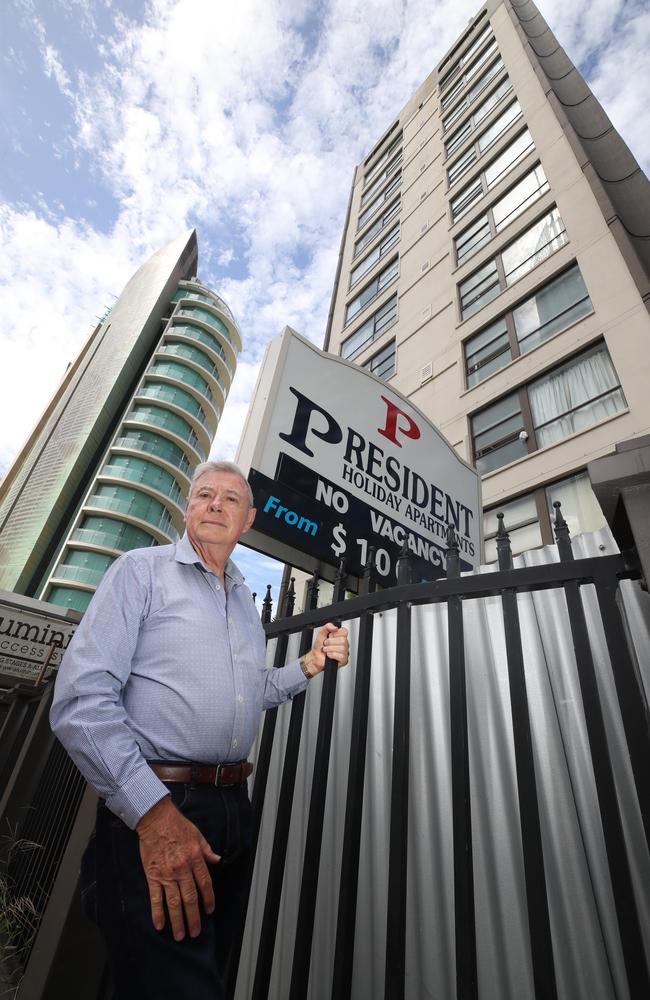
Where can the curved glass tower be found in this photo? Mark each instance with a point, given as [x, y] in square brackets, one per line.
[133, 493]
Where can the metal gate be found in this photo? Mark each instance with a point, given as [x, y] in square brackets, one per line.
[446, 909]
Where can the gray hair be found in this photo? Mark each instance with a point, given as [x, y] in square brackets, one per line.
[222, 467]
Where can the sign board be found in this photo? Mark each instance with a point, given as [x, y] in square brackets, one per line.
[339, 461]
[30, 639]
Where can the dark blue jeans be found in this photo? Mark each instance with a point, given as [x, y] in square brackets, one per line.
[147, 964]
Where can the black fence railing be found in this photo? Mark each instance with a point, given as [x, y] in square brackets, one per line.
[18, 705]
[569, 576]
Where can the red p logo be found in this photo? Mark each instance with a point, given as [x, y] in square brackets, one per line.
[407, 426]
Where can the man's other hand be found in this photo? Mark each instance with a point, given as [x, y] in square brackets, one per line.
[330, 641]
[174, 855]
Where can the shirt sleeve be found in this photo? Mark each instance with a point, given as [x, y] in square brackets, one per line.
[87, 713]
[283, 683]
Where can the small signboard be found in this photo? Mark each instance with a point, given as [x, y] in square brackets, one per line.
[32, 641]
[339, 461]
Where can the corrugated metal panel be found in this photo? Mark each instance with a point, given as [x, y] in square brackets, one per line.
[586, 942]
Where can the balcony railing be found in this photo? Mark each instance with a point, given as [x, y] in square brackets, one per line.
[171, 490]
[165, 423]
[104, 539]
[82, 574]
[174, 350]
[166, 394]
[161, 522]
[136, 444]
[184, 377]
[212, 300]
[202, 337]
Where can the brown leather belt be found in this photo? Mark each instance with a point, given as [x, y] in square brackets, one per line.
[222, 775]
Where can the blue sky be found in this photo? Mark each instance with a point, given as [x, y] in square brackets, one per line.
[123, 122]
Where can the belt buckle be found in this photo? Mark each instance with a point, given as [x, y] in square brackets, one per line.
[217, 777]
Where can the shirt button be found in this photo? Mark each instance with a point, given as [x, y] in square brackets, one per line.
[240, 699]
[235, 744]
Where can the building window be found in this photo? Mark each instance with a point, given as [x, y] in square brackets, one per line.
[521, 519]
[373, 188]
[498, 434]
[375, 255]
[465, 58]
[580, 508]
[461, 165]
[479, 289]
[506, 160]
[504, 211]
[483, 110]
[484, 142]
[556, 306]
[498, 127]
[386, 155]
[469, 74]
[459, 136]
[580, 393]
[377, 226]
[553, 308]
[470, 95]
[529, 519]
[372, 290]
[473, 238]
[566, 400]
[371, 330]
[379, 201]
[491, 175]
[486, 352]
[466, 198]
[383, 363]
[532, 247]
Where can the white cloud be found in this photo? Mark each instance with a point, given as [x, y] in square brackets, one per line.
[235, 410]
[54, 68]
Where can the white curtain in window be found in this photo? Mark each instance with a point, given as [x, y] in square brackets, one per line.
[568, 390]
[580, 509]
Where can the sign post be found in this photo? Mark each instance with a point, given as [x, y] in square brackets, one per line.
[340, 462]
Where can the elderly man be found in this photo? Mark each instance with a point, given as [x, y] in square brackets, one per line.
[158, 701]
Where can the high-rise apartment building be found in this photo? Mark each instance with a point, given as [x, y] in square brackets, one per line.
[495, 267]
[108, 465]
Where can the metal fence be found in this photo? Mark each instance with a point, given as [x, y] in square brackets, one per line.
[302, 934]
[393, 858]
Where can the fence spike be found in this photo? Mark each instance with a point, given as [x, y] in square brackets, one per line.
[290, 598]
[452, 554]
[267, 606]
[312, 590]
[254, 596]
[504, 551]
[368, 577]
[339, 582]
[404, 564]
[562, 535]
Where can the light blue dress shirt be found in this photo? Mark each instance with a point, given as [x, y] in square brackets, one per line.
[164, 666]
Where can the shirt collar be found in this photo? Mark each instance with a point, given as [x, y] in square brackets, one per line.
[185, 553]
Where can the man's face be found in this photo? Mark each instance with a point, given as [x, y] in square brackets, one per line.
[218, 510]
